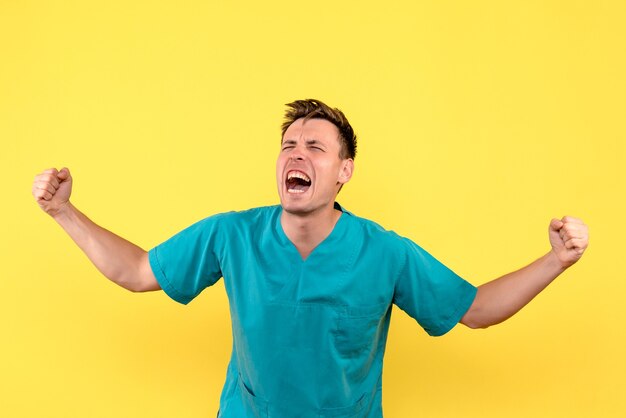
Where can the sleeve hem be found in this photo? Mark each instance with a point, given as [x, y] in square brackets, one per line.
[165, 284]
[454, 319]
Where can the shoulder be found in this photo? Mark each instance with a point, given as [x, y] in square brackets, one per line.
[377, 235]
[243, 221]
[380, 249]
[248, 216]
[231, 219]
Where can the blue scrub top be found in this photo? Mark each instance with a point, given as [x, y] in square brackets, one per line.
[308, 336]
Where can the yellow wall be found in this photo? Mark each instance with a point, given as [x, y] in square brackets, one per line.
[478, 122]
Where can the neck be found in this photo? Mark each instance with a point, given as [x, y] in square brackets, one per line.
[307, 231]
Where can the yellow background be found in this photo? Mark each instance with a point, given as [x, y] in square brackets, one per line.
[477, 121]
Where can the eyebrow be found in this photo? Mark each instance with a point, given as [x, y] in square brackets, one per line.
[311, 141]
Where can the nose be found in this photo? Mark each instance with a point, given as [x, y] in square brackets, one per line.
[297, 154]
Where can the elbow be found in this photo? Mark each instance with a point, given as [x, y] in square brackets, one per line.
[476, 325]
[480, 314]
[141, 285]
[472, 323]
[129, 283]
[141, 279]
[134, 288]
[136, 283]
[478, 320]
[135, 274]
[474, 319]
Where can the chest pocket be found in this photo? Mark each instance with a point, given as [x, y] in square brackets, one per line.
[359, 329]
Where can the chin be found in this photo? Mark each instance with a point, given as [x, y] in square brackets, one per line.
[295, 208]
[302, 208]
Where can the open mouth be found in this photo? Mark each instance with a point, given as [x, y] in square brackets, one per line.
[297, 182]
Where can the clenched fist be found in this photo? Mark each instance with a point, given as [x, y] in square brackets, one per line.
[569, 238]
[52, 189]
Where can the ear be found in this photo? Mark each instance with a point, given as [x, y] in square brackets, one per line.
[347, 168]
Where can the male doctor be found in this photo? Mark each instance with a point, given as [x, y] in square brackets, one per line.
[310, 285]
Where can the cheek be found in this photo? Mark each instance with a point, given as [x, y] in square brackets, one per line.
[277, 171]
[279, 164]
[328, 174]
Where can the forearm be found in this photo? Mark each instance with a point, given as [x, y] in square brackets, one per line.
[115, 257]
[501, 298]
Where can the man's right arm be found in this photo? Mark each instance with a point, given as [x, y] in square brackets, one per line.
[118, 259]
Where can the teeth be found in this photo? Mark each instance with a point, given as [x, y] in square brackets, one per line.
[295, 191]
[298, 174]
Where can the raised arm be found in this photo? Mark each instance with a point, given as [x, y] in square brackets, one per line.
[501, 298]
[118, 259]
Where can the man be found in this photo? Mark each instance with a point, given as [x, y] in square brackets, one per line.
[310, 285]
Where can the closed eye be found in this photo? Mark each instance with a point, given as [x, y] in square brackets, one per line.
[313, 144]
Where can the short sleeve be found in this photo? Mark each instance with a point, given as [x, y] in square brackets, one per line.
[187, 263]
[431, 293]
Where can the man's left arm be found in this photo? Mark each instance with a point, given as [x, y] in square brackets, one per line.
[501, 298]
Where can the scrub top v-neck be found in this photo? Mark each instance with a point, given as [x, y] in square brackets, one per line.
[293, 252]
[308, 335]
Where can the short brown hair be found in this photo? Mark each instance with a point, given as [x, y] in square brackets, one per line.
[315, 109]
